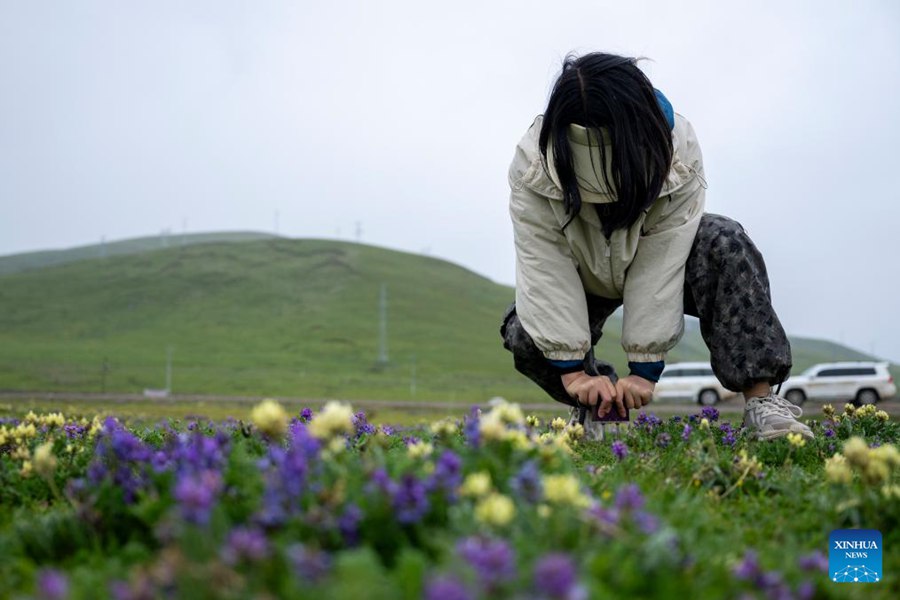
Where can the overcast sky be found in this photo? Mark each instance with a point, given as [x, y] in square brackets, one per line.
[121, 119]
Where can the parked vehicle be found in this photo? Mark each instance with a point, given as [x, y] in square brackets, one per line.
[690, 382]
[857, 382]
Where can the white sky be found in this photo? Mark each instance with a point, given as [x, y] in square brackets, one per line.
[121, 119]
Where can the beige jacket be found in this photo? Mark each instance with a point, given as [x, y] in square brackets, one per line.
[642, 265]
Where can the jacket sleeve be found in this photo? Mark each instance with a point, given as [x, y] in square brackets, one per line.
[653, 298]
[550, 298]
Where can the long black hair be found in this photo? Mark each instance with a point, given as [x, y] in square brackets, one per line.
[609, 92]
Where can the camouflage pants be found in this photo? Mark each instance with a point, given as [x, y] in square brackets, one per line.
[725, 285]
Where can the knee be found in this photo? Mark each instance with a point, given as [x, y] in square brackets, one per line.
[722, 236]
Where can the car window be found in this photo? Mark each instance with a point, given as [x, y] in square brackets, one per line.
[672, 373]
[847, 372]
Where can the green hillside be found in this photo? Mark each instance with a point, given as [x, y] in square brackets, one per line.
[276, 316]
[16, 263]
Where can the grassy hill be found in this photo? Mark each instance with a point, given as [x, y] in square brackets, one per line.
[275, 316]
[16, 263]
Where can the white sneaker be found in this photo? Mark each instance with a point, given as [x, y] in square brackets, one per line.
[772, 417]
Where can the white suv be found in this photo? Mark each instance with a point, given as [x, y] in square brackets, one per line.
[692, 382]
[859, 382]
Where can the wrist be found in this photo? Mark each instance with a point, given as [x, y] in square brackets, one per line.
[569, 378]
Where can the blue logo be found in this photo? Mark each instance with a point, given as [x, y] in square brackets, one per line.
[854, 556]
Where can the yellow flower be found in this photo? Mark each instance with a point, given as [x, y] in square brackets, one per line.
[510, 414]
[476, 484]
[3, 435]
[335, 418]
[53, 420]
[748, 463]
[828, 410]
[886, 453]
[882, 416]
[335, 446]
[866, 411]
[849, 409]
[796, 440]
[891, 491]
[704, 423]
[20, 453]
[491, 427]
[495, 509]
[564, 489]
[575, 432]
[270, 418]
[543, 511]
[519, 439]
[45, 460]
[876, 471]
[856, 451]
[557, 424]
[837, 470]
[419, 449]
[26, 469]
[532, 421]
[443, 428]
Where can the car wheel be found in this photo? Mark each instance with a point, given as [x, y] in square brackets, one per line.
[864, 397]
[708, 397]
[796, 397]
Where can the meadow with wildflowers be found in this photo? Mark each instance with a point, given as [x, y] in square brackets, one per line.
[498, 504]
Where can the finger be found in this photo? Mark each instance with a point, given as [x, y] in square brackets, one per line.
[594, 396]
[630, 399]
[620, 405]
[605, 405]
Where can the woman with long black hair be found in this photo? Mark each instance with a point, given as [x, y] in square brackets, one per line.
[607, 198]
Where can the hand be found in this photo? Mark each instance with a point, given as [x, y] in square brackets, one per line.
[589, 389]
[634, 392]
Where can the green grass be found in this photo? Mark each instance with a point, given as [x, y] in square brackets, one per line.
[274, 316]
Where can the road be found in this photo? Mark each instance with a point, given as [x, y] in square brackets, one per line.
[730, 407]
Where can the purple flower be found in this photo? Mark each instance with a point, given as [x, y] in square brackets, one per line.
[196, 494]
[663, 440]
[606, 516]
[409, 440]
[527, 483]
[686, 432]
[410, 500]
[815, 561]
[446, 588]
[619, 449]
[348, 524]
[306, 414]
[629, 497]
[447, 475]
[647, 420]
[646, 522]
[493, 560]
[748, 568]
[471, 429]
[555, 575]
[829, 432]
[245, 544]
[308, 564]
[52, 585]
[806, 590]
[710, 412]
[363, 427]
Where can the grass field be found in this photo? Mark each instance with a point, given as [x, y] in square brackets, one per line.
[274, 317]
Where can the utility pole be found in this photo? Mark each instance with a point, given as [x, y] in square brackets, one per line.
[358, 231]
[103, 371]
[382, 329]
[169, 370]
